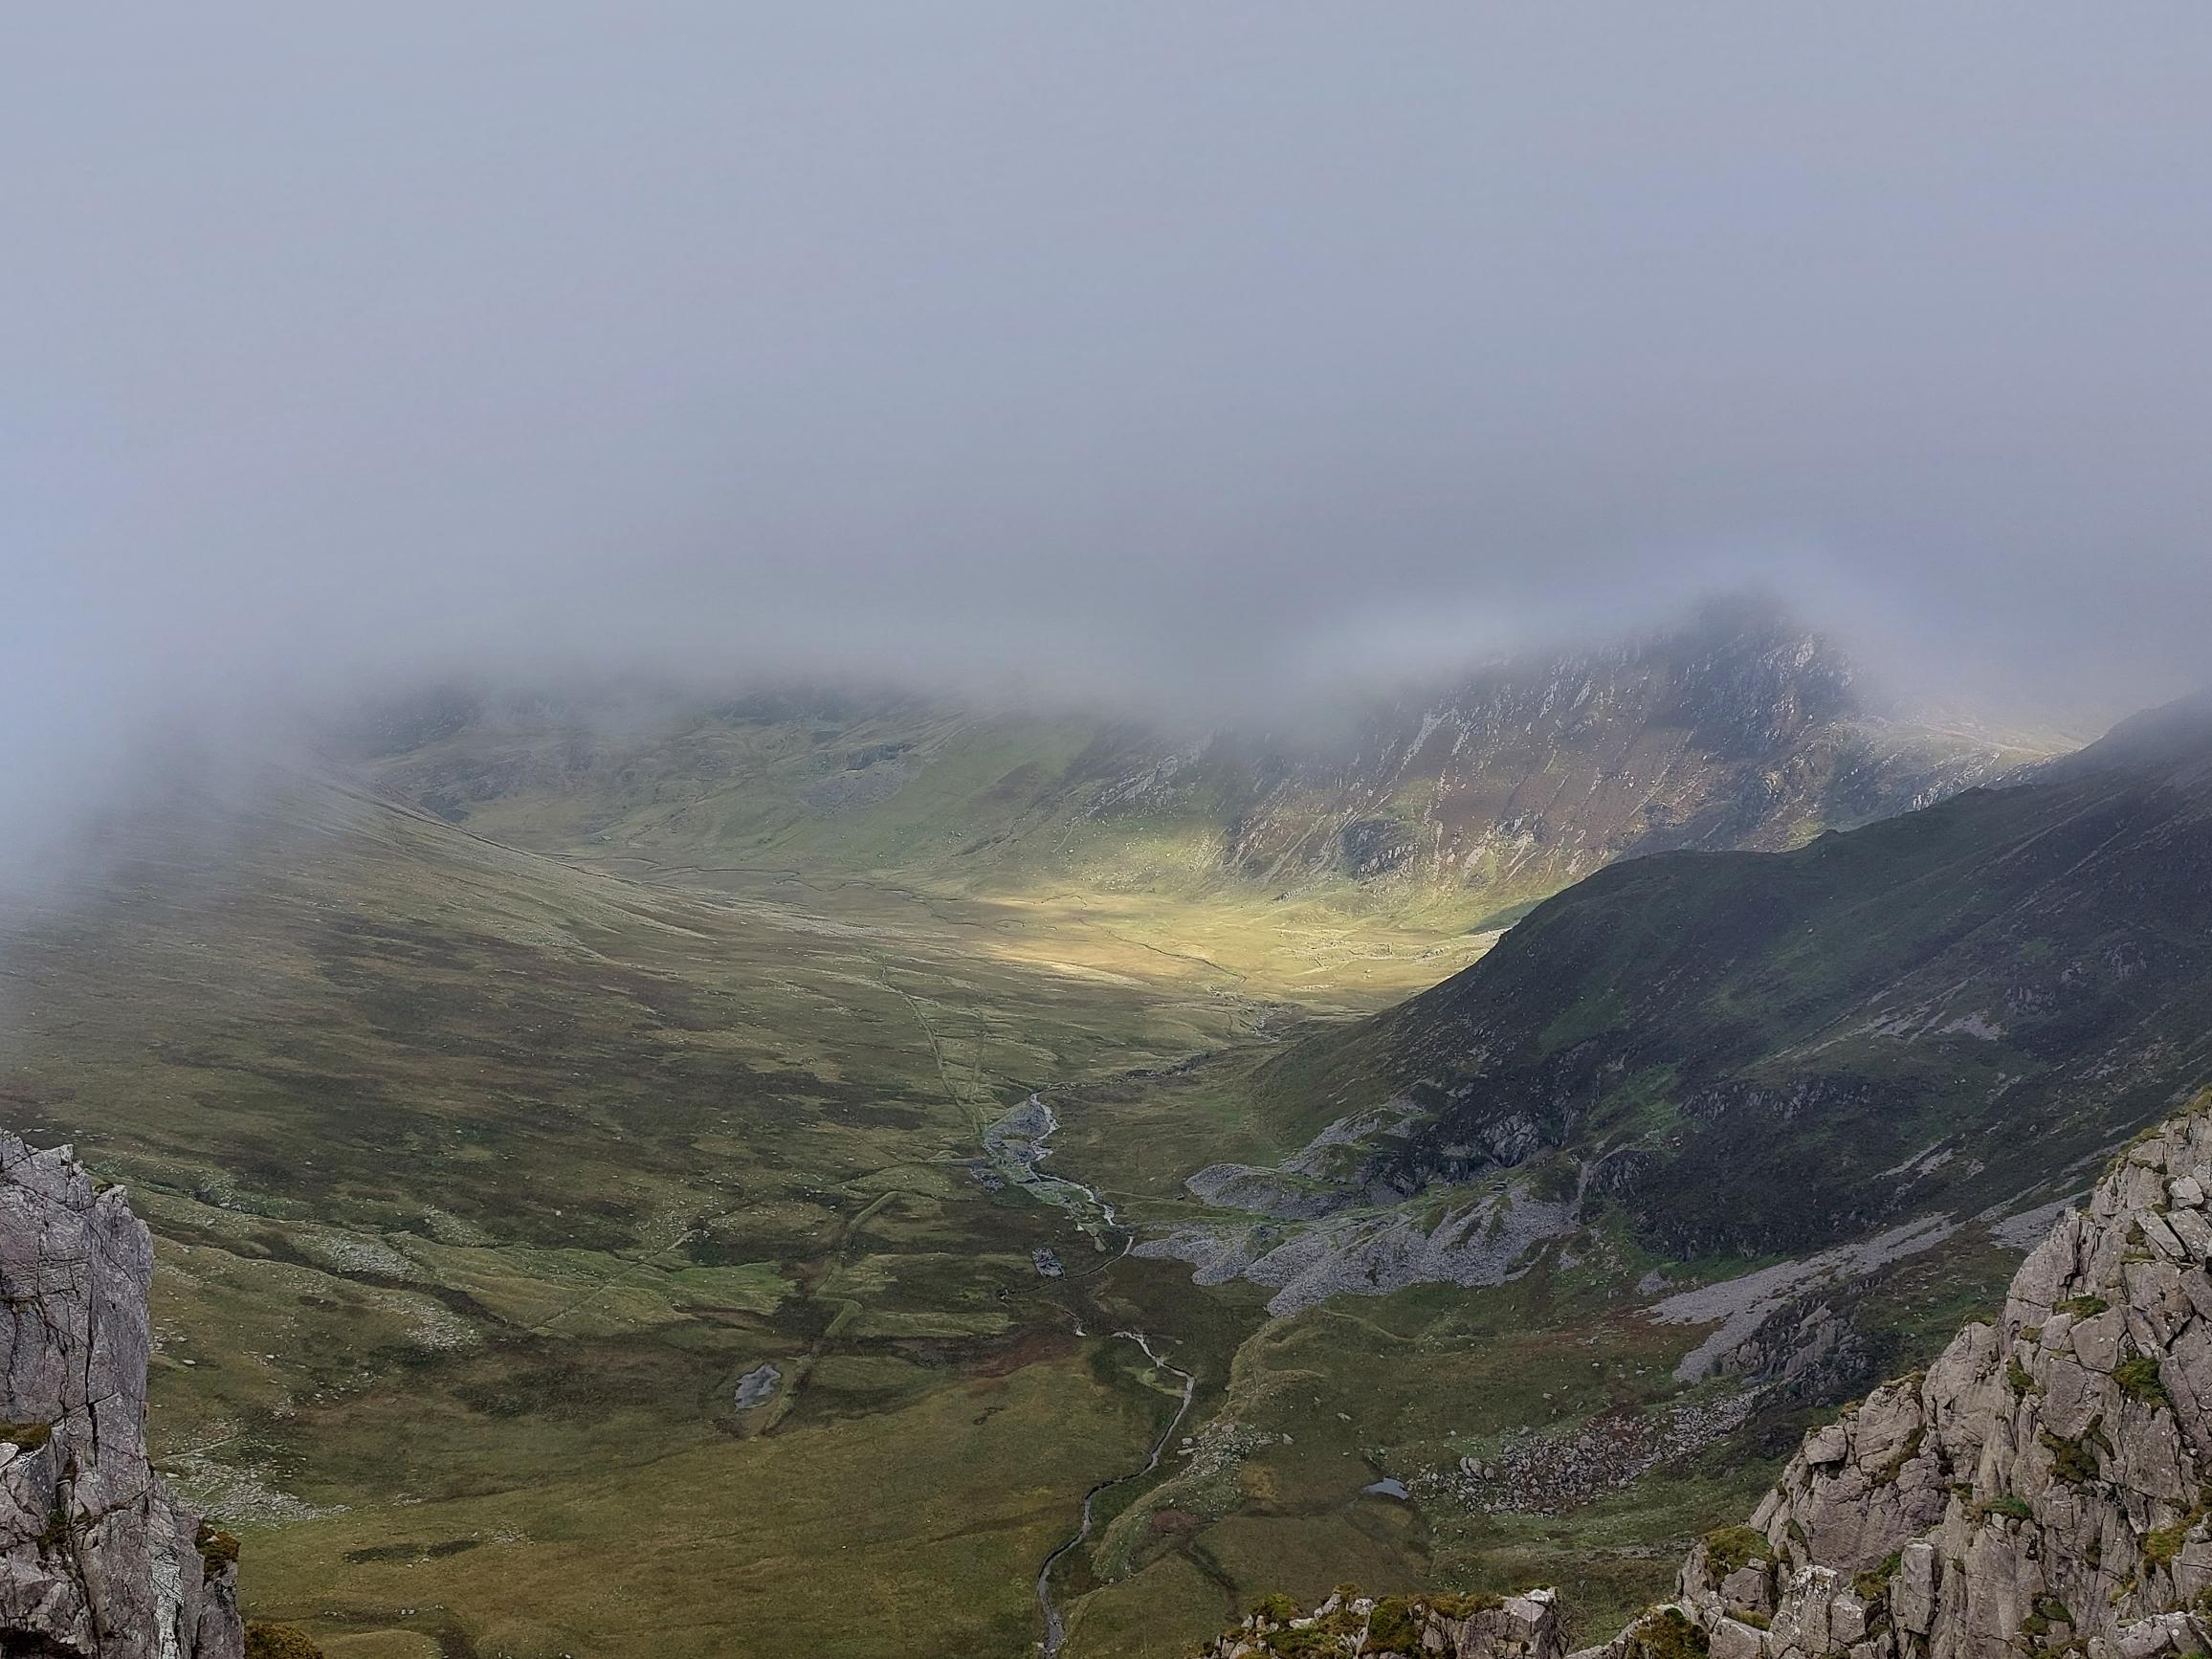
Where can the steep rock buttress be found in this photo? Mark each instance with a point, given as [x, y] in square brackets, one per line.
[2043, 1486]
[96, 1557]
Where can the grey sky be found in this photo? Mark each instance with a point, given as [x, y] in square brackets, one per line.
[1190, 346]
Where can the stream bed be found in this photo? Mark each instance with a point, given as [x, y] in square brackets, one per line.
[1017, 1145]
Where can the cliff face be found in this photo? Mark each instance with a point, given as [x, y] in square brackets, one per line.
[1735, 730]
[96, 1557]
[2043, 1486]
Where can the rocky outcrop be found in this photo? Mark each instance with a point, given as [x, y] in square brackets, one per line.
[1524, 1626]
[96, 1557]
[2043, 1486]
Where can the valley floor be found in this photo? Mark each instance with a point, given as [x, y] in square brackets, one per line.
[574, 1257]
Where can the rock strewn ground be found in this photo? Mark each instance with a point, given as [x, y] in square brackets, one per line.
[1525, 1627]
[1489, 1240]
[1551, 1472]
[96, 1557]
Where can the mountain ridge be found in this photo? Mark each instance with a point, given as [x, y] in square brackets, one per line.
[1736, 727]
[1901, 1000]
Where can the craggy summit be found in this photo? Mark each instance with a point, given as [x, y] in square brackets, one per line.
[2043, 1486]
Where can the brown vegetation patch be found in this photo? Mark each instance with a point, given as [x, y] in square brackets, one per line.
[1029, 1348]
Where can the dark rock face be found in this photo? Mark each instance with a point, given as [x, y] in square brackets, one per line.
[96, 1557]
[2042, 1487]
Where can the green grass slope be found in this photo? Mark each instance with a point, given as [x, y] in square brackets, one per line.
[478, 1182]
[499, 1114]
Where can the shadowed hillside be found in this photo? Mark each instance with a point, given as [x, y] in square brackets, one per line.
[1758, 1052]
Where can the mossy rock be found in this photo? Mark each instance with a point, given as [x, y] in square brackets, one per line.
[2161, 1546]
[30, 1436]
[1904, 1454]
[2139, 1380]
[1728, 1548]
[1466, 1606]
[1668, 1634]
[1874, 1583]
[1394, 1626]
[2072, 1461]
[218, 1550]
[265, 1641]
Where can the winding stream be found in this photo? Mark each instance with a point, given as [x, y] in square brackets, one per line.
[1017, 1145]
[1056, 1628]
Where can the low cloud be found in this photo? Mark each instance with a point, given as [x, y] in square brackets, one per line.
[1189, 356]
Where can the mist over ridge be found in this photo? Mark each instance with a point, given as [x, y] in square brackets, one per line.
[1149, 359]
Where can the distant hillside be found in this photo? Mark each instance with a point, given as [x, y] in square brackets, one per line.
[1758, 1053]
[1736, 729]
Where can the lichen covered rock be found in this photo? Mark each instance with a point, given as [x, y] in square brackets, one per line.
[2044, 1485]
[96, 1557]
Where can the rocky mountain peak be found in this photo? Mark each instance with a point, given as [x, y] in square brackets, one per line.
[1745, 670]
[96, 1557]
[2046, 1485]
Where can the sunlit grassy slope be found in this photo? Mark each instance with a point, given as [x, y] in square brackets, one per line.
[1022, 836]
[1443, 811]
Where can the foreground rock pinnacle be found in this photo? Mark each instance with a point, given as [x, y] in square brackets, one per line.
[96, 1557]
[2043, 1487]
